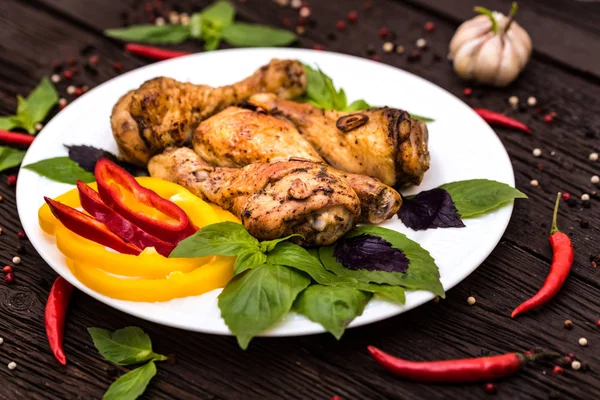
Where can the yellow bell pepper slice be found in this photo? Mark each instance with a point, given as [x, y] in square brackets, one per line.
[211, 276]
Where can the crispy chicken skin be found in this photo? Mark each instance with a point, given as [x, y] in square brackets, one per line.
[236, 137]
[273, 200]
[384, 143]
[164, 112]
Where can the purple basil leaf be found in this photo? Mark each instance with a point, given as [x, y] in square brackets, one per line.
[429, 210]
[87, 157]
[370, 252]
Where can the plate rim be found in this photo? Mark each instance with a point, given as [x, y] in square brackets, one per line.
[476, 258]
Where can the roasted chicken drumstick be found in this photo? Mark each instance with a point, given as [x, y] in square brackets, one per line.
[164, 112]
[384, 143]
[236, 137]
[273, 200]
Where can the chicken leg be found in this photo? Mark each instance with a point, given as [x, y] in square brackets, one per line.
[236, 137]
[384, 143]
[273, 200]
[164, 112]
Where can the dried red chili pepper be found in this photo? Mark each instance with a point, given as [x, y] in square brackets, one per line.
[114, 184]
[562, 260]
[494, 118]
[89, 227]
[92, 203]
[463, 370]
[15, 138]
[56, 310]
[154, 53]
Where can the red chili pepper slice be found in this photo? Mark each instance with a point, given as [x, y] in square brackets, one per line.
[15, 138]
[115, 184]
[92, 203]
[56, 310]
[494, 118]
[89, 227]
[153, 53]
[562, 260]
[463, 370]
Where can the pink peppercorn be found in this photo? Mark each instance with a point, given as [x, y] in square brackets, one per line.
[302, 20]
[467, 91]
[7, 269]
[11, 180]
[429, 26]
[383, 33]
[490, 388]
[319, 47]
[375, 57]
[352, 16]
[78, 91]
[598, 323]
[117, 66]
[566, 196]
[21, 235]
[340, 25]
[67, 74]
[287, 22]
[557, 370]
[93, 60]
[9, 278]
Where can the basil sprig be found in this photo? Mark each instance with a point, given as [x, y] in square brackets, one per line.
[215, 23]
[10, 157]
[271, 276]
[32, 109]
[321, 92]
[127, 346]
[61, 169]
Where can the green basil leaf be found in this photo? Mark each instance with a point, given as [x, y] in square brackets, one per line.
[421, 118]
[332, 307]
[24, 116]
[61, 169]
[125, 346]
[40, 101]
[8, 123]
[241, 34]
[316, 89]
[131, 385]
[336, 100]
[218, 15]
[212, 43]
[10, 157]
[257, 299]
[247, 260]
[479, 196]
[220, 239]
[422, 274]
[268, 245]
[151, 33]
[294, 256]
[357, 105]
[196, 25]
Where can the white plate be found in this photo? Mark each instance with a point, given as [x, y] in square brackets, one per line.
[462, 146]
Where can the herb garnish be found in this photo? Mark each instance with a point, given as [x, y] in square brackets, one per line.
[321, 92]
[61, 169]
[10, 157]
[215, 23]
[372, 253]
[127, 346]
[444, 207]
[32, 109]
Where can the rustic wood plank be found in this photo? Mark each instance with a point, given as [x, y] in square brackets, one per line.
[318, 366]
[563, 31]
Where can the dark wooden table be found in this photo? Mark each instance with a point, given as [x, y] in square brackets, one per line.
[564, 76]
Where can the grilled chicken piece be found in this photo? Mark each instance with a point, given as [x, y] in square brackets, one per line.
[164, 112]
[384, 143]
[236, 137]
[273, 200]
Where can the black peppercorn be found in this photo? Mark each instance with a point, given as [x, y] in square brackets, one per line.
[584, 224]
[571, 202]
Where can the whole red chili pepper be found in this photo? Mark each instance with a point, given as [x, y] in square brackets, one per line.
[56, 310]
[15, 138]
[494, 118]
[562, 260]
[463, 370]
[153, 53]
[115, 184]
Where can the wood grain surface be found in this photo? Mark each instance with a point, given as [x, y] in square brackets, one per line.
[563, 76]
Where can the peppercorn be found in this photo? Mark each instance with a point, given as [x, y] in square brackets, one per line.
[21, 235]
[549, 118]
[568, 324]
[340, 25]
[566, 196]
[331, 36]
[375, 58]
[471, 300]
[7, 269]
[352, 16]
[20, 249]
[583, 342]
[467, 91]
[319, 47]
[598, 323]
[414, 55]
[67, 75]
[117, 66]
[383, 33]
[388, 47]
[421, 43]
[557, 370]
[572, 202]
[593, 157]
[16, 260]
[370, 50]
[9, 278]
[584, 224]
[575, 365]
[11, 180]
[490, 388]
[429, 26]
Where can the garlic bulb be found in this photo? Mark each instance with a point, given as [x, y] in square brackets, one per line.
[491, 48]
